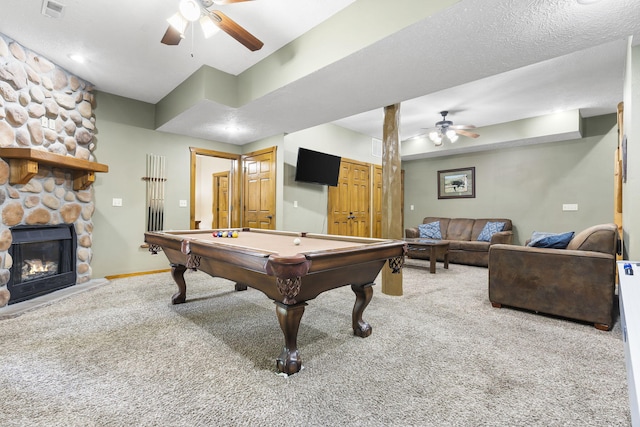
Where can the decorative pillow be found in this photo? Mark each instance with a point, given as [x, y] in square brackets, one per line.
[538, 235]
[490, 228]
[430, 230]
[550, 240]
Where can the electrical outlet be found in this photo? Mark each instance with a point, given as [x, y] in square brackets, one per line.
[570, 207]
[44, 122]
[183, 203]
[116, 202]
[52, 124]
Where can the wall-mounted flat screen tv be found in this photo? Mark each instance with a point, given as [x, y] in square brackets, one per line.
[317, 167]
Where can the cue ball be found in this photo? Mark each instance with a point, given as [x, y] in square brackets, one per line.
[296, 241]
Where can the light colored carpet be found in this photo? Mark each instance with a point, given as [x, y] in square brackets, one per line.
[440, 355]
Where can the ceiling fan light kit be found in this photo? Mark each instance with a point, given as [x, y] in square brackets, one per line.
[189, 9]
[178, 22]
[210, 20]
[209, 28]
[436, 138]
[445, 129]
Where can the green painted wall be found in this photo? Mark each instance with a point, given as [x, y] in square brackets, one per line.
[527, 184]
[125, 137]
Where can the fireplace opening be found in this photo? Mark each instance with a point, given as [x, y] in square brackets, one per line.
[44, 260]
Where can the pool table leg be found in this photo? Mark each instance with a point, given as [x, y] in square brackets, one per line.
[364, 293]
[177, 272]
[289, 316]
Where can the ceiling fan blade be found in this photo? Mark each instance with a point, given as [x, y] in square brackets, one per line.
[420, 135]
[467, 134]
[171, 37]
[462, 127]
[232, 28]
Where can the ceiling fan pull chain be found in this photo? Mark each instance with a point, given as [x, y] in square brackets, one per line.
[192, 37]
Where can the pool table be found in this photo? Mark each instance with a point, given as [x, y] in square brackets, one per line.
[288, 273]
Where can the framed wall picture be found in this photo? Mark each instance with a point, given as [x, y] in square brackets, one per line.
[457, 183]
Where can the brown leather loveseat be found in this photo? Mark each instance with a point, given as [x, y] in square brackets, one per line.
[462, 235]
[577, 282]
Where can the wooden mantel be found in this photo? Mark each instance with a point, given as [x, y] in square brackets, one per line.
[23, 165]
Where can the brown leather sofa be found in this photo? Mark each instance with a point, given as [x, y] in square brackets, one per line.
[462, 235]
[577, 282]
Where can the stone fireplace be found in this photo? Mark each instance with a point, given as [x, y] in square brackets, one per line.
[47, 127]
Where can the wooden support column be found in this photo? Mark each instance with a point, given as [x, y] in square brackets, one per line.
[391, 192]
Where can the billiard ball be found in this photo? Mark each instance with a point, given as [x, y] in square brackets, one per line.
[296, 241]
[224, 233]
[234, 234]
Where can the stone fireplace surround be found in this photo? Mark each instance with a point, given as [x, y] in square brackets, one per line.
[43, 107]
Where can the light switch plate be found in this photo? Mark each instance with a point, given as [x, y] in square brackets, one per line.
[116, 202]
[183, 203]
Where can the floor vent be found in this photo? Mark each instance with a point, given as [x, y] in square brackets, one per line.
[52, 9]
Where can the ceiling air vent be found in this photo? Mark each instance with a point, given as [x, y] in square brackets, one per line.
[52, 9]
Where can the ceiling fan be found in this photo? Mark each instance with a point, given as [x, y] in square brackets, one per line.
[210, 20]
[446, 129]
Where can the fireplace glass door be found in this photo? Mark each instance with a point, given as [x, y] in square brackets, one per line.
[43, 260]
[39, 260]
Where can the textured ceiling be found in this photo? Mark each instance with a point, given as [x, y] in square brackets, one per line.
[121, 39]
[487, 61]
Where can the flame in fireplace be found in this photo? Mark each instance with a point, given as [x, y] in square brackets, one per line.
[36, 268]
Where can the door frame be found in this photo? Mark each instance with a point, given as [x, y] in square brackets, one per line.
[235, 179]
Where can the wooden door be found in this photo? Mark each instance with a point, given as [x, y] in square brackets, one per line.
[259, 202]
[220, 207]
[348, 210]
[360, 198]
[338, 211]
